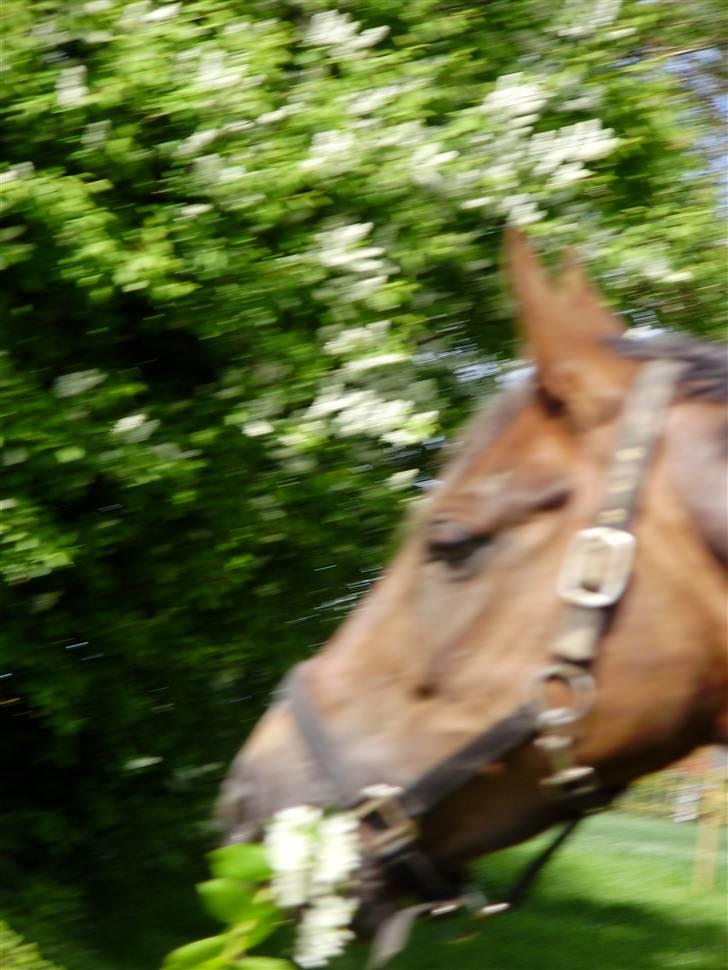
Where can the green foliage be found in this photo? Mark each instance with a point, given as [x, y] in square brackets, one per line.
[245, 907]
[247, 863]
[16, 954]
[249, 260]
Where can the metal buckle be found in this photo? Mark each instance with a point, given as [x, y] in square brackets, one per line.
[574, 780]
[597, 567]
[581, 684]
[400, 828]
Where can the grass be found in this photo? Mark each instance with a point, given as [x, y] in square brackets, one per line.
[618, 897]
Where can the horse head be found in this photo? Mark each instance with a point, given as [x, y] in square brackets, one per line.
[452, 638]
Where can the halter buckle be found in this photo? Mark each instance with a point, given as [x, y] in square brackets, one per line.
[574, 780]
[597, 567]
[398, 829]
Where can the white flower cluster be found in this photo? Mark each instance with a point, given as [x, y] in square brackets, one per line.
[214, 73]
[313, 858]
[367, 102]
[556, 158]
[356, 398]
[69, 385]
[165, 12]
[580, 19]
[426, 162]
[655, 266]
[354, 340]
[333, 151]
[516, 97]
[18, 171]
[362, 411]
[339, 32]
[521, 209]
[135, 428]
[340, 249]
[71, 88]
[570, 146]
[96, 133]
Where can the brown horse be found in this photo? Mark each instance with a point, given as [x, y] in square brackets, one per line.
[447, 642]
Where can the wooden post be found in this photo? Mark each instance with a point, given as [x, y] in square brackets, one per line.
[709, 830]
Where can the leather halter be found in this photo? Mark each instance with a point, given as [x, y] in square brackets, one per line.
[593, 577]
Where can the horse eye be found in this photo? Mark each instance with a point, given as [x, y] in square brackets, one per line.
[453, 544]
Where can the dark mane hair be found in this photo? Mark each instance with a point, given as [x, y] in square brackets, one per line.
[706, 374]
[705, 378]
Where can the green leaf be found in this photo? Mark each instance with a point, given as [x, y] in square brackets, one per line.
[194, 954]
[265, 963]
[226, 899]
[71, 453]
[265, 918]
[249, 863]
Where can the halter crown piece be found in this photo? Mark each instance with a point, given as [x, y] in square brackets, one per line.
[593, 578]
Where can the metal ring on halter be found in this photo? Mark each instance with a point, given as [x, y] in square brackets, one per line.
[582, 687]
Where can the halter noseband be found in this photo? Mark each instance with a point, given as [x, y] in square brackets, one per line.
[593, 577]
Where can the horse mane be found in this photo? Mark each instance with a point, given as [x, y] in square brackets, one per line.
[706, 374]
[705, 378]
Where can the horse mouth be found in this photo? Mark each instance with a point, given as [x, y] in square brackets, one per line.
[379, 896]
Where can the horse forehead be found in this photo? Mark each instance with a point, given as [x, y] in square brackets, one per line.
[529, 444]
[481, 486]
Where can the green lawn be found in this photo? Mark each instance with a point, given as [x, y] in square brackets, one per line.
[618, 897]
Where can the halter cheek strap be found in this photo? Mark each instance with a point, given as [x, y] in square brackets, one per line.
[593, 577]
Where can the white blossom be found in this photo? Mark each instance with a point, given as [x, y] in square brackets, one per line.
[95, 134]
[362, 289]
[71, 88]
[403, 479]
[354, 339]
[68, 385]
[580, 19]
[339, 852]
[213, 73]
[134, 764]
[208, 168]
[324, 931]
[19, 170]
[270, 117]
[338, 31]
[569, 147]
[426, 161]
[339, 249]
[256, 429]
[568, 174]
[164, 12]
[369, 101]
[376, 360]
[291, 842]
[657, 268]
[522, 210]
[135, 427]
[331, 149]
[198, 140]
[194, 210]
[480, 202]
[516, 97]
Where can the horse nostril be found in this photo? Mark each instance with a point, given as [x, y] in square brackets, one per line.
[425, 691]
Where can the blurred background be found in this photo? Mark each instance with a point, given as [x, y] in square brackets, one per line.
[250, 284]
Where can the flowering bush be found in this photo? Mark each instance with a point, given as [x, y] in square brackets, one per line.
[249, 256]
[310, 860]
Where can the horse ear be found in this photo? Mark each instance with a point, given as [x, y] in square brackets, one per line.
[565, 328]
